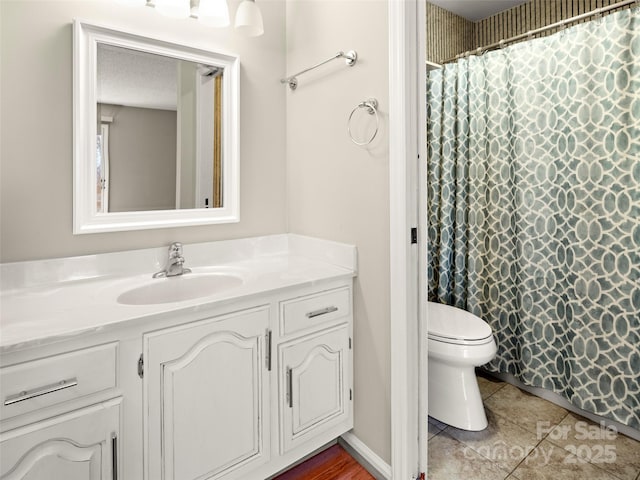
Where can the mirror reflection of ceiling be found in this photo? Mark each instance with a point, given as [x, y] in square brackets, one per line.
[136, 79]
[475, 10]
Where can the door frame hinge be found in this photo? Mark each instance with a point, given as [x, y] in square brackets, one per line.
[141, 366]
[414, 235]
[350, 394]
[349, 343]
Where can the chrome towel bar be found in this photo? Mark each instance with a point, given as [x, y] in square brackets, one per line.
[350, 59]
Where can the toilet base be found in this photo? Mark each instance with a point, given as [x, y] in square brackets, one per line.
[454, 396]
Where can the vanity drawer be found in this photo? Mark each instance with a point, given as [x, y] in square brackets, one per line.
[313, 311]
[41, 383]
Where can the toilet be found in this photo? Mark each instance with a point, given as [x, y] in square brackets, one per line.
[458, 342]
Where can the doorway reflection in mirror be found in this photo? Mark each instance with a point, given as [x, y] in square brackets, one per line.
[159, 139]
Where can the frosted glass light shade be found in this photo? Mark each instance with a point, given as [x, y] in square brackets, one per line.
[174, 8]
[249, 19]
[213, 13]
[132, 3]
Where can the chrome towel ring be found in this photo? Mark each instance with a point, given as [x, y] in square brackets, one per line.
[371, 105]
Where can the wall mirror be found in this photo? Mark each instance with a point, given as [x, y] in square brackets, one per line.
[156, 133]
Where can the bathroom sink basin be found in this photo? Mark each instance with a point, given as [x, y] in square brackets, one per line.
[179, 288]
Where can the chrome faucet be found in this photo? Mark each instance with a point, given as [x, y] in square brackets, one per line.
[174, 263]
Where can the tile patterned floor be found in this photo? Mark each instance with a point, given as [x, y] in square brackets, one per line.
[529, 438]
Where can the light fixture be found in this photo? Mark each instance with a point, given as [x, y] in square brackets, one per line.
[132, 3]
[213, 13]
[174, 8]
[249, 19]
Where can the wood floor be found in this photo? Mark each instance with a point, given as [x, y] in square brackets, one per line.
[334, 463]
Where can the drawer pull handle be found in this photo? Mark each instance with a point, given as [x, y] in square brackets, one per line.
[114, 456]
[37, 392]
[268, 354]
[322, 311]
[290, 387]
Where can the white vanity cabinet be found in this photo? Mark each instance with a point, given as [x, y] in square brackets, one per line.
[206, 388]
[80, 445]
[59, 417]
[314, 375]
[229, 392]
[107, 373]
[314, 364]
[234, 390]
[244, 394]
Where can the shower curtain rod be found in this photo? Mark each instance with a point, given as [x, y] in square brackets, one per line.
[530, 33]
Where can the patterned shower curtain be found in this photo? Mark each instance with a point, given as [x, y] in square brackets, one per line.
[534, 207]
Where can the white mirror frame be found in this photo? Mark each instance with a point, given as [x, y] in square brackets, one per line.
[86, 219]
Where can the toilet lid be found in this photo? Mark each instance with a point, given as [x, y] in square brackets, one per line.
[453, 325]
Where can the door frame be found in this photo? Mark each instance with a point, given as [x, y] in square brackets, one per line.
[407, 194]
[104, 161]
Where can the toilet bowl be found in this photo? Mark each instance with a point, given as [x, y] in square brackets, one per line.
[458, 342]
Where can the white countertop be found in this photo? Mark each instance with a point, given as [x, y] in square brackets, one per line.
[32, 313]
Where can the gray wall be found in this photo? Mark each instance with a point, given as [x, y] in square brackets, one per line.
[335, 189]
[142, 158]
[36, 126]
[338, 190]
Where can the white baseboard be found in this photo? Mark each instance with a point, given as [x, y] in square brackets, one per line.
[375, 465]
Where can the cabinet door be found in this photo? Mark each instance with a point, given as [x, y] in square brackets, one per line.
[206, 404]
[314, 385]
[81, 445]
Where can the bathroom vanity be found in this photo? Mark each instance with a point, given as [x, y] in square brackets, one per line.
[103, 377]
